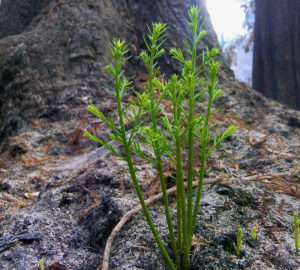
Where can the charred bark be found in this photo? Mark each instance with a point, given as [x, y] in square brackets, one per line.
[276, 66]
[16, 15]
[57, 59]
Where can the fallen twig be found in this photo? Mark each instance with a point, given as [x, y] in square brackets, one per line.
[172, 191]
[269, 175]
[117, 228]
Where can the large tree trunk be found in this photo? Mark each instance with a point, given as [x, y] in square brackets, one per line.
[58, 60]
[16, 15]
[276, 67]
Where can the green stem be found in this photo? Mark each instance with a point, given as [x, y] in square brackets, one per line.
[134, 178]
[203, 161]
[179, 174]
[160, 164]
[296, 232]
[190, 159]
[181, 207]
[185, 245]
[191, 150]
[179, 204]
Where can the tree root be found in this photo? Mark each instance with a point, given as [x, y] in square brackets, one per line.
[117, 228]
[172, 191]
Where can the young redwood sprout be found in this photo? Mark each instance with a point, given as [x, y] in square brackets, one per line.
[118, 50]
[239, 243]
[253, 233]
[167, 137]
[296, 232]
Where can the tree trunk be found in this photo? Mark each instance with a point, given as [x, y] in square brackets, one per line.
[16, 15]
[57, 59]
[276, 67]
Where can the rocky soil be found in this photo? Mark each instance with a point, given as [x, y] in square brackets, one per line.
[61, 194]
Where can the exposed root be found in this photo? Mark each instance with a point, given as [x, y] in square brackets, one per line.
[109, 241]
[172, 191]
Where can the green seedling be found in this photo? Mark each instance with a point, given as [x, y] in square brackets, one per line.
[296, 232]
[188, 126]
[42, 264]
[253, 233]
[239, 242]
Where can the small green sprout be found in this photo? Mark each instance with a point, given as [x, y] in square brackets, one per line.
[296, 232]
[42, 264]
[253, 233]
[239, 242]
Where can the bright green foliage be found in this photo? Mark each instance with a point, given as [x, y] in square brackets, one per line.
[296, 232]
[239, 242]
[188, 128]
[253, 233]
[42, 265]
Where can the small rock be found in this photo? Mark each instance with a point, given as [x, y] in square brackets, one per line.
[6, 242]
[57, 266]
[4, 186]
[30, 237]
[31, 195]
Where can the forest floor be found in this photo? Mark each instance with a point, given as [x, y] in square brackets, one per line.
[61, 195]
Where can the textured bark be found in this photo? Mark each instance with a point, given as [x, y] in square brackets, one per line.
[16, 15]
[276, 67]
[57, 60]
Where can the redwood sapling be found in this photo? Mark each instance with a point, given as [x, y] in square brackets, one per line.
[165, 137]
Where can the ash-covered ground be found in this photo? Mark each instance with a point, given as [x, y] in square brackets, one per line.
[61, 195]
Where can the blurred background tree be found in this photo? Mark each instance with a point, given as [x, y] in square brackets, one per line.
[273, 36]
[276, 62]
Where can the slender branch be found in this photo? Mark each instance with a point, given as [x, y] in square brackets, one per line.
[191, 150]
[203, 161]
[156, 33]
